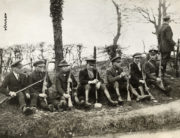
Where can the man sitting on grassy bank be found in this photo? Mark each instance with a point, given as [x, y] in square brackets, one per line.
[39, 74]
[90, 80]
[14, 82]
[136, 79]
[66, 86]
[153, 72]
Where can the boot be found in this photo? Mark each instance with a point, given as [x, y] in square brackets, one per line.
[27, 110]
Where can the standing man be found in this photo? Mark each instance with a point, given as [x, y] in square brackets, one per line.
[117, 79]
[14, 82]
[39, 74]
[166, 42]
[151, 69]
[90, 80]
[66, 86]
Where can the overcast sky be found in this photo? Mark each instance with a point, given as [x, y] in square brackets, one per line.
[88, 22]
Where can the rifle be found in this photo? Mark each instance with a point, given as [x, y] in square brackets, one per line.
[128, 85]
[96, 105]
[44, 87]
[69, 90]
[8, 98]
[146, 87]
[177, 59]
[160, 72]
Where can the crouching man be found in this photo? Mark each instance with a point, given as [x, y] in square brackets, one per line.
[66, 87]
[90, 81]
[14, 82]
[37, 90]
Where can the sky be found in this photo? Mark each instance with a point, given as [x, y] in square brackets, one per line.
[88, 22]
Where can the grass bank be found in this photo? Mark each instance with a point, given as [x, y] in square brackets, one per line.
[130, 117]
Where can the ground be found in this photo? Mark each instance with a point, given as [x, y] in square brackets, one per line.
[130, 117]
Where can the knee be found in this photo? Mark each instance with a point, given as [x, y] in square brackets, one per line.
[87, 87]
[103, 87]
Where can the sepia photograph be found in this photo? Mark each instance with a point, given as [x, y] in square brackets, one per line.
[89, 69]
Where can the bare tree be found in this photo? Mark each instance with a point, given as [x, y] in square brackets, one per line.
[119, 23]
[151, 17]
[56, 10]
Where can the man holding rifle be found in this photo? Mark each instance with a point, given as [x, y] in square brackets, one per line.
[66, 87]
[137, 79]
[90, 80]
[14, 82]
[152, 70]
[40, 73]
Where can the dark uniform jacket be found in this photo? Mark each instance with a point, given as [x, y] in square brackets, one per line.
[10, 83]
[113, 75]
[84, 77]
[136, 74]
[165, 39]
[61, 82]
[36, 76]
[151, 68]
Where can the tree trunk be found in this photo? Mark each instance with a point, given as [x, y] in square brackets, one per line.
[56, 9]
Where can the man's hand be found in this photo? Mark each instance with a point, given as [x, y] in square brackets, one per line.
[158, 79]
[142, 81]
[43, 95]
[123, 74]
[28, 95]
[12, 94]
[98, 85]
[66, 95]
[93, 81]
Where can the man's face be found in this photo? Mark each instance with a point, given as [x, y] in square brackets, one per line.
[40, 67]
[90, 66]
[17, 69]
[65, 68]
[153, 56]
[137, 60]
[117, 63]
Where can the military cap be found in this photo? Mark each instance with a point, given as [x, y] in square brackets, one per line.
[38, 62]
[16, 64]
[137, 55]
[91, 61]
[115, 58]
[63, 63]
[153, 51]
[166, 18]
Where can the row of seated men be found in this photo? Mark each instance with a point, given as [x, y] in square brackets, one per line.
[90, 88]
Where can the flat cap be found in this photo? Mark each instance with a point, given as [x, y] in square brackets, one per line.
[17, 63]
[38, 62]
[153, 51]
[137, 55]
[63, 63]
[167, 17]
[115, 58]
[91, 60]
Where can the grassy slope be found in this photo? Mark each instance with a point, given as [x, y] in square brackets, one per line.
[134, 117]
